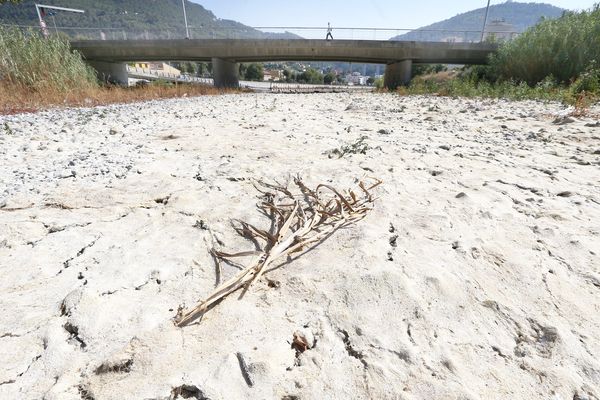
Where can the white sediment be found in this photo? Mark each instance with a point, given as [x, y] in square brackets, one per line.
[476, 276]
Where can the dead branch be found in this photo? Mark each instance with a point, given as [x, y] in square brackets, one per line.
[298, 222]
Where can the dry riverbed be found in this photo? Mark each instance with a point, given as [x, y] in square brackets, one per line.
[475, 276]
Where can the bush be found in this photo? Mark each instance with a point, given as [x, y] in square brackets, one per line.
[29, 60]
[312, 76]
[589, 81]
[462, 86]
[254, 72]
[564, 48]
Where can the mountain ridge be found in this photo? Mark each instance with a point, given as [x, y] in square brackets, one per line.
[131, 19]
[518, 15]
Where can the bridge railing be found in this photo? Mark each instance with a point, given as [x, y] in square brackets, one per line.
[273, 32]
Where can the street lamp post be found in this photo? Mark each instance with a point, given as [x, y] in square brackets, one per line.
[41, 12]
[187, 29]
[487, 9]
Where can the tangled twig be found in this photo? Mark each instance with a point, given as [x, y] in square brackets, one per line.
[298, 222]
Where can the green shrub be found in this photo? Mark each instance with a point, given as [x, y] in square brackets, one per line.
[589, 81]
[29, 60]
[466, 87]
[563, 48]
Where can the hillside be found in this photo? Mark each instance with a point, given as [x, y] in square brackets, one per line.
[515, 16]
[130, 19]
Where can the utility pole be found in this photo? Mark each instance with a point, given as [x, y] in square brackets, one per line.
[487, 10]
[41, 13]
[187, 29]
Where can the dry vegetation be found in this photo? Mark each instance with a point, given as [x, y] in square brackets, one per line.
[38, 73]
[298, 221]
[15, 99]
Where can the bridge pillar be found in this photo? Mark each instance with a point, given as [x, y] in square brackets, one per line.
[225, 73]
[111, 72]
[397, 74]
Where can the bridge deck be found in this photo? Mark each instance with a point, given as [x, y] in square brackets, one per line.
[238, 50]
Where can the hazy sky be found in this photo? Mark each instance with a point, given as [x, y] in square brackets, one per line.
[353, 13]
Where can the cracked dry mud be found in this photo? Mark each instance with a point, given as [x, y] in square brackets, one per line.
[476, 276]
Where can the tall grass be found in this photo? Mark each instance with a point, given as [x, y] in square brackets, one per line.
[465, 87]
[554, 60]
[563, 49]
[30, 61]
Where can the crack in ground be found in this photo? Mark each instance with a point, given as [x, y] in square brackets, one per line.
[188, 392]
[409, 333]
[10, 381]
[74, 331]
[522, 187]
[54, 229]
[85, 393]
[352, 352]
[67, 263]
[119, 367]
[403, 355]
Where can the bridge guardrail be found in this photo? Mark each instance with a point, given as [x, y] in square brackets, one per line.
[273, 32]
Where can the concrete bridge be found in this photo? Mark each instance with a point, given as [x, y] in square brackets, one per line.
[109, 56]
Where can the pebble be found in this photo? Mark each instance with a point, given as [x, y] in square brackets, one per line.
[566, 193]
[563, 120]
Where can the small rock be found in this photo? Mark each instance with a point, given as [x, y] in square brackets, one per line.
[563, 120]
[566, 193]
[383, 131]
[113, 131]
[2, 202]
[435, 172]
[200, 224]
[597, 152]
[581, 396]
[593, 124]
[66, 174]
[460, 195]
[303, 340]
[445, 147]
[455, 245]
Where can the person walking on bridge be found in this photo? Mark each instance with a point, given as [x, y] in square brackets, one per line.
[329, 35]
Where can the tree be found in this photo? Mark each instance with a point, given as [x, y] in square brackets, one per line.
[311, 75]
[287, 74]
[255, 72]
[242, 70]
[329, 78]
